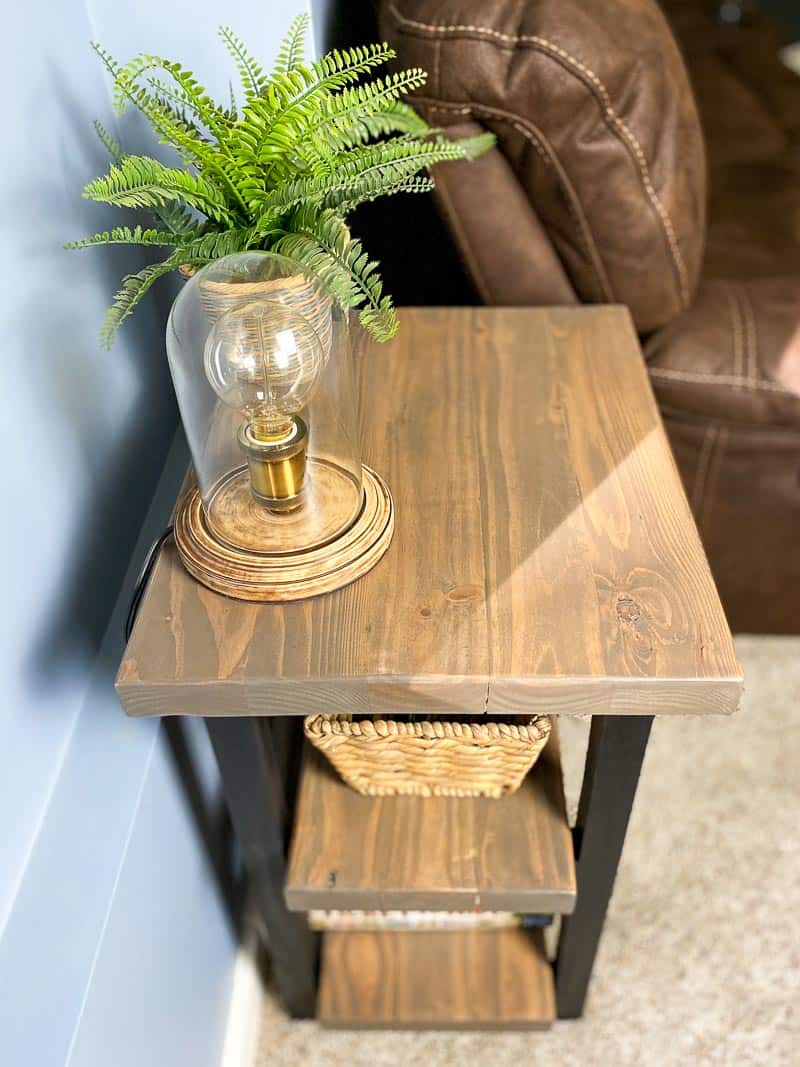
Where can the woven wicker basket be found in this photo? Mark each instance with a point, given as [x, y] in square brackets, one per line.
[380, 757]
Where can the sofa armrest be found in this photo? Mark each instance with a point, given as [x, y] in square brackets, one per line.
[592, 109]
[501, 241]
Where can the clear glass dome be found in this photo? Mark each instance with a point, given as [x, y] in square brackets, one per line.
[260, 359]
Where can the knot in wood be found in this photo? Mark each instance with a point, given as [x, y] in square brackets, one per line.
[462, 594]
[627, 609]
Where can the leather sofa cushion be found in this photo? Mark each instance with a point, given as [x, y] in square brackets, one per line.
[734, 357]
[592, 107]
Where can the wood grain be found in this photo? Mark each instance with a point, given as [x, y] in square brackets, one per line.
[544, 555]
[431, 853]
[438, 980]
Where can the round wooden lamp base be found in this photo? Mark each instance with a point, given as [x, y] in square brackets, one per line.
[295, 574]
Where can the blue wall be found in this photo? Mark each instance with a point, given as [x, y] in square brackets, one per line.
[114, 945]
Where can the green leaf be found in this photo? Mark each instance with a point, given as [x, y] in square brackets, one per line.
[139, 181]
[322, 245]
[196, 98]
[274, 125]
[293, 46]
[130, 293]
[111, 144]
[337, 112]
[402, 185]
[472, 147]
[359, 175]
[124, 235]
[250, 72]
[217, 244]
[189, 143]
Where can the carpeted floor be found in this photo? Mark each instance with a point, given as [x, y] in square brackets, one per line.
[700, 961]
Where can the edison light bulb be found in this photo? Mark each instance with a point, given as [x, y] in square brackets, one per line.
[264, 360]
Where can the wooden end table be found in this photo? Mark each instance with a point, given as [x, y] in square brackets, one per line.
[544, 560]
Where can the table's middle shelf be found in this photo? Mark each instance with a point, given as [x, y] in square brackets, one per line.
[351, 852]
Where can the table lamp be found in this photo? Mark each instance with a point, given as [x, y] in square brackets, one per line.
[283, 508]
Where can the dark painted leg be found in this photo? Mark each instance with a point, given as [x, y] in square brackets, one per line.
[254, 791]
[617, 745]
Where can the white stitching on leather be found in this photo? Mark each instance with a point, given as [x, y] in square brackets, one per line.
[605, 99]
[752, 338]
[738, 381]
[737, 333]
[550, 157]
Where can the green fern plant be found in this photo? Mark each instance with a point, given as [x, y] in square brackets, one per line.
[281, 172]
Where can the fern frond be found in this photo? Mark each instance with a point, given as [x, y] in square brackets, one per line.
[337, 112]
[139, 181]
[410, 154]
[124, 235]
[363, 196]
[250, 72]
[170, 215]
[323, 155]
[275, 124]
[133, 288]
[110, 143]
[321, 244]
[361, 175]
[397, 118]
[129, 74]
[217, 244]
[293, 46]
[190, 145]
[197, 98]
[174, 217]
[472, 147]
[332, 72]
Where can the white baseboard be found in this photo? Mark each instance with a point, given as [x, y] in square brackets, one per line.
[244, 1015]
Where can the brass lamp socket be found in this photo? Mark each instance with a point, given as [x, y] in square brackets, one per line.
[277, 467]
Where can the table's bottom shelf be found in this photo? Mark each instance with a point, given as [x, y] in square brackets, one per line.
[472, 979]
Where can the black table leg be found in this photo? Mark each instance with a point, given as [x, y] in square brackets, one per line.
[254, 792]
[617, 745]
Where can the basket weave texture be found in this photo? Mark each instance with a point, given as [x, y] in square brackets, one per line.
[389, 757]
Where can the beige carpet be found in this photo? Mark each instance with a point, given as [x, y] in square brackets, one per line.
[700, 961]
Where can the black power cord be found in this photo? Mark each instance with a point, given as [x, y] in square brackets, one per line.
[141, 581]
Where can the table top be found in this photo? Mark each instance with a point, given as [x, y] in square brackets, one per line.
[544, 560]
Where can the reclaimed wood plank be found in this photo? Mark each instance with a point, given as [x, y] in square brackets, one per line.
[437, 980]
[351, 852]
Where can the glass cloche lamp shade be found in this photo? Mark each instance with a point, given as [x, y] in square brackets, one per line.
[283, 508]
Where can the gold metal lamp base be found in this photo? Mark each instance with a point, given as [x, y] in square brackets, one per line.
[294, 574]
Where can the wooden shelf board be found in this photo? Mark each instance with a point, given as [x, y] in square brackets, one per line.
[481, 979]
[351, 852]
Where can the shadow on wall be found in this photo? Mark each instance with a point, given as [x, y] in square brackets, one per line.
[111, 415]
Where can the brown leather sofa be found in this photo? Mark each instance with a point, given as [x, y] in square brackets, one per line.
[632, 169]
